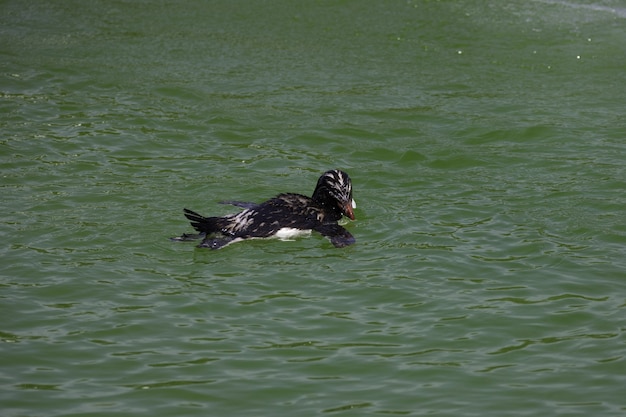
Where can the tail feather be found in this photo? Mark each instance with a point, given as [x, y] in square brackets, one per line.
[203, 224]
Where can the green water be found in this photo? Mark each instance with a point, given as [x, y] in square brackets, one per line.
[486, 143]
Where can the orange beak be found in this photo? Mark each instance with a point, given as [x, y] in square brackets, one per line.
[348, 211]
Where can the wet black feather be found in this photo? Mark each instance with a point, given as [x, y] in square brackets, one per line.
[320, 213]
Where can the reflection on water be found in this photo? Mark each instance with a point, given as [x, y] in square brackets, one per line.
[618, 11]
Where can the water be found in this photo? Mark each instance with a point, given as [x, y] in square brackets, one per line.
[486, 146]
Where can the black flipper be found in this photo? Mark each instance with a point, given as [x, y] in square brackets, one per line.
[187, 237]
[242, 204]
[337, 235]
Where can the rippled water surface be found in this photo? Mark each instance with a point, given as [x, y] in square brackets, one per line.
[486, 143]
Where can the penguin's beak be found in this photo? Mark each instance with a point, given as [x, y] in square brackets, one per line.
[348, 209]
